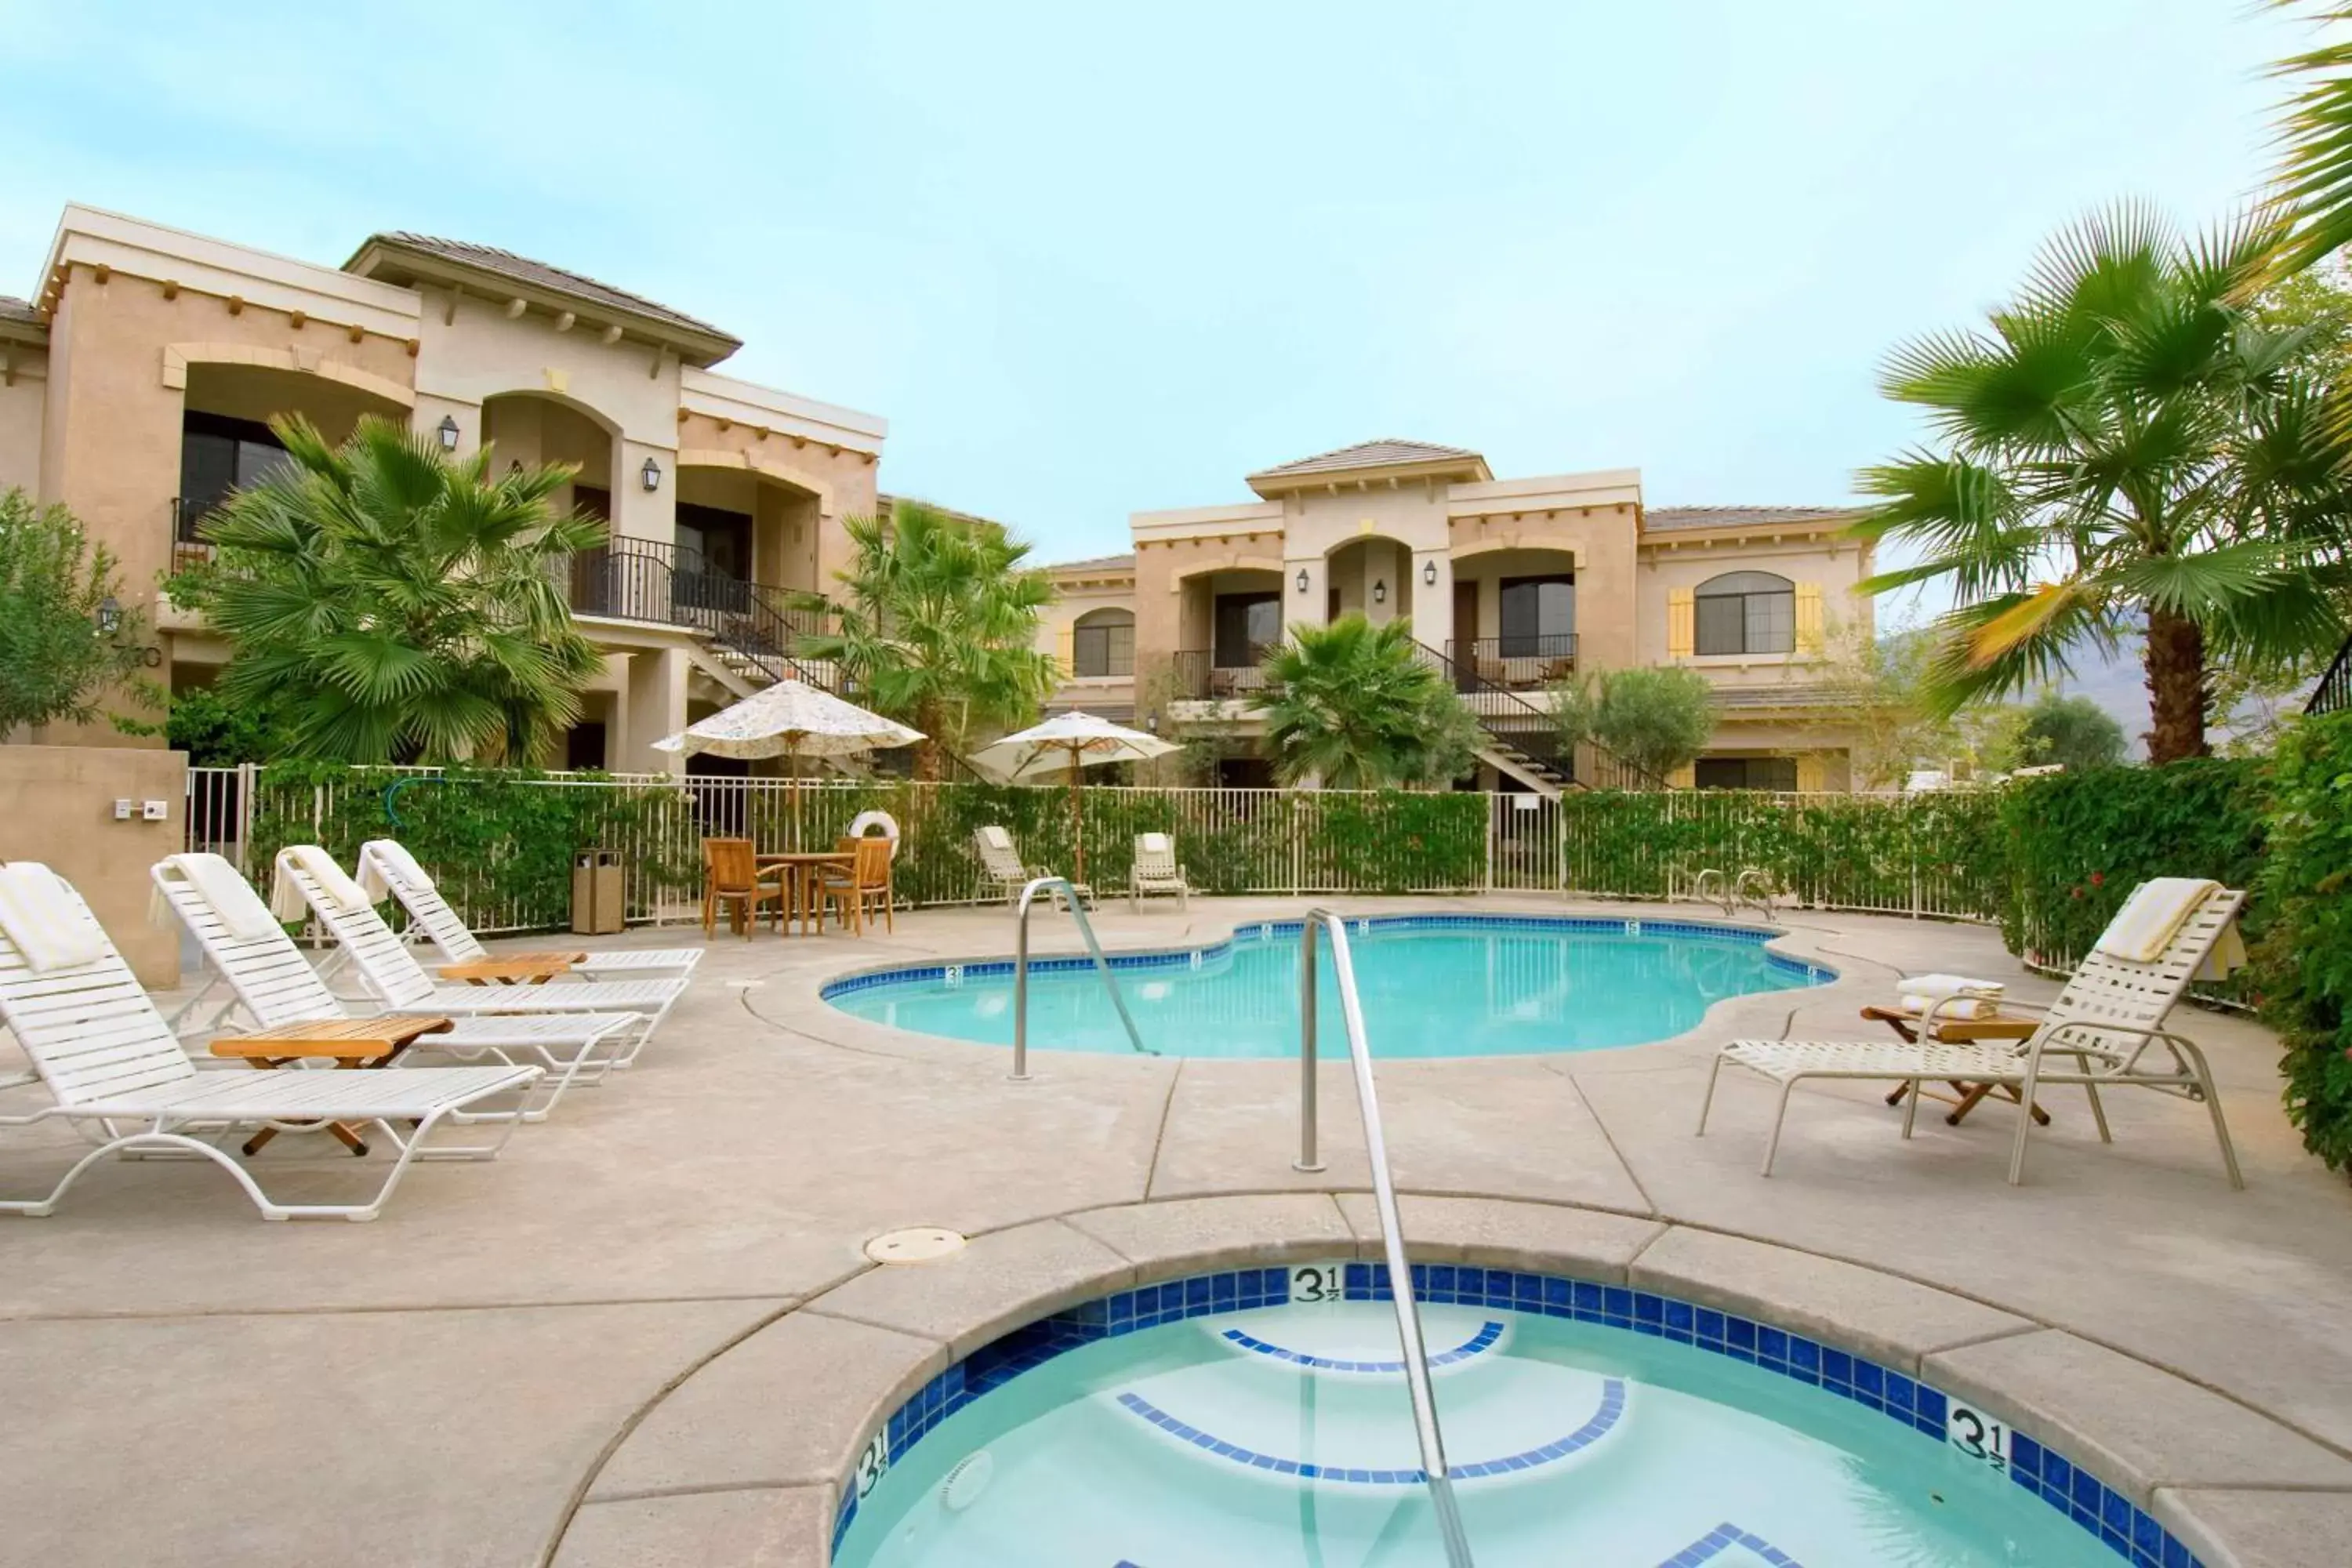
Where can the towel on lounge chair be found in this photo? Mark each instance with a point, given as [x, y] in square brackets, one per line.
[2150, 918]
[240, 909]
[286, 899]
[1938, 985]
[41, 918]
[392, 855]
[1950, 1006]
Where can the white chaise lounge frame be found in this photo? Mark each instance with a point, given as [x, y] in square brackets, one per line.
[1157, 870]
[396, 981]
[271, 983]
[432, 919]
[115, 1070]
[2101, 1030]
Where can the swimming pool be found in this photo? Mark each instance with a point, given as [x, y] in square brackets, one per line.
[1227, 1419]
[1433, 986]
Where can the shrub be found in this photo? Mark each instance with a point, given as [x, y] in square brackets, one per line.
[2303, 962]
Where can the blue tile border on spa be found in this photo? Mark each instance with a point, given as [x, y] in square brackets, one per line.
[2108, 1515]
[1360, 925]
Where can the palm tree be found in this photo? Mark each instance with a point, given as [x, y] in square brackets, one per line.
[398, 603]
[937, 625]
[1354, 706]
[2315, 186]
[2123, 442]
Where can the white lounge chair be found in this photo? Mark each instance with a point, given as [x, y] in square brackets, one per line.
[2100, 1031]
[385, 863]
[273, 984]
[112, 1065]
[1157, 871]
[1000, 866]
[394, 977]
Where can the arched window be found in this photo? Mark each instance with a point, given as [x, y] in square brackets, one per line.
[1103, 643]
[1746, 612]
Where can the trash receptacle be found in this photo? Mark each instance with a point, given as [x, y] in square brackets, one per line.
[596, 906]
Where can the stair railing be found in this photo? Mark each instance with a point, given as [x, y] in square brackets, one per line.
[1401, 1293]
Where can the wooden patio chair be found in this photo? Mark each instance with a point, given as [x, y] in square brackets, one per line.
[867, 884]
[730, 875]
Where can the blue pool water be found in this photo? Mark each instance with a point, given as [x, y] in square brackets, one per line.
[1280, 1435]
[1432, 986]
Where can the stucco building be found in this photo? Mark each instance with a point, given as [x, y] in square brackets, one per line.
[1509, 584]
[136, 386]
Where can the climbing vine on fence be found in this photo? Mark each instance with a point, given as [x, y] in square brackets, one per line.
[2304, 960]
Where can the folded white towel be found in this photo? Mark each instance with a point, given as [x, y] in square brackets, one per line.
[45, 921]
[286, 899]
[1950, 1007]
[385, 861]
[242, 913]
[1947, 985]
[2143, 927]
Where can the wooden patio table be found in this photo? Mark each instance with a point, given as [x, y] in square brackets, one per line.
[352, 1042]
[514, 968]
[803, 869]
[1960, 1032]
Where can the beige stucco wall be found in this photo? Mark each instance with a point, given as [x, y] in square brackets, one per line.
[22, 396]
[57, 806]
[1834, 564]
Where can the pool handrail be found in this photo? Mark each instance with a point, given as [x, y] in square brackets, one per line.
[1400, 1291]
[1020, 971]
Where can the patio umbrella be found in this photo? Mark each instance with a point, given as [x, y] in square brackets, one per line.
[791, 718]
[1062, 745]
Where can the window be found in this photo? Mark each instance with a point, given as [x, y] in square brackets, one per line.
[1247, 625]
[1746, 612]
[219, 455]
[1103, 643]
[1538, 616]
[713, 542]
[1745, 773]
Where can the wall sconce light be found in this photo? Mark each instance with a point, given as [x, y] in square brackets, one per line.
[651, 475]
[448, 433]
[1302, 579]
[1380, 591]
[1429, 574]
[1151, 722]
[109, 615]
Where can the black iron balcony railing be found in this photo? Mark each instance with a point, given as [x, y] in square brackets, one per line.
[646, 580]
[188, 547]
[2334, 692]
[1201, 675]
[1516, 663]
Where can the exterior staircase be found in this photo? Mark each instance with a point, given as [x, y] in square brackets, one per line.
[1522, 740]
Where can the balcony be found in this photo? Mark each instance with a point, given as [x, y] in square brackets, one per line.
[1202, 677]
[1522, 663]
[188, 549]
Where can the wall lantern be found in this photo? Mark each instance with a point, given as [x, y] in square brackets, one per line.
[1151, 722]
[651, 475]
[1380, 591]
[448, 431]
[109, 615]
[1429, 574]
[1302, 579]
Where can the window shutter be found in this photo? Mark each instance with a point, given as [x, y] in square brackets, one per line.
[1065, 650]
[1681, 623]
[1813, 772]
[1809, 617]
[1685, 776]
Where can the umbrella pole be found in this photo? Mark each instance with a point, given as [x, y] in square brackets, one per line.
[792, 760]
[1078, 816]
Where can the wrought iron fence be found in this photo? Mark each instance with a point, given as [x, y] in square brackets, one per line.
[1517, 663]
[502, 844]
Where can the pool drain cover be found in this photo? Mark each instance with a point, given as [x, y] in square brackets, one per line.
[916, 1244]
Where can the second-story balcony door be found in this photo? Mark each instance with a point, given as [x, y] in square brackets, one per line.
[1246, 625]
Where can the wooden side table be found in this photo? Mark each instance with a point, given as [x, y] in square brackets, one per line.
[1960, 1032]
[514, 968]
[349, 1042]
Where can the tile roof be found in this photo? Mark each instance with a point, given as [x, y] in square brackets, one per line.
[1659, 517]
[1388, 452]
[1789, 695]
[555, 280]
[18, 311]
[1094, 563]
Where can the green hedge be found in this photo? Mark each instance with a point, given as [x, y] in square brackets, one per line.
[2305, 959]
[2077, 842]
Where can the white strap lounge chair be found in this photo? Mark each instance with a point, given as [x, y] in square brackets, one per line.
[1156, 871]
[394, 978]
[2105, 1030]
[113, 1067]
[386, 867]
[273, 984]
[1001, 866]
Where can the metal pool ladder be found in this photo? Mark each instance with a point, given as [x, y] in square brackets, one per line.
[1020, 971]
[1408, 1309]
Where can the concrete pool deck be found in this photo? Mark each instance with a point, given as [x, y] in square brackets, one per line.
[648, 1334]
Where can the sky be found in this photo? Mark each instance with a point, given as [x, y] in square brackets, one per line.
[1095, 259]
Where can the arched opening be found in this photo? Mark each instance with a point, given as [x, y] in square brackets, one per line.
[225, 442]
[1745, 613]
[1228, 618]
[530, 428]
[1370, 576]
[1515, 616]
[1102, 645]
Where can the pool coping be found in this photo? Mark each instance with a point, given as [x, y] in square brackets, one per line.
[851, 1356]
